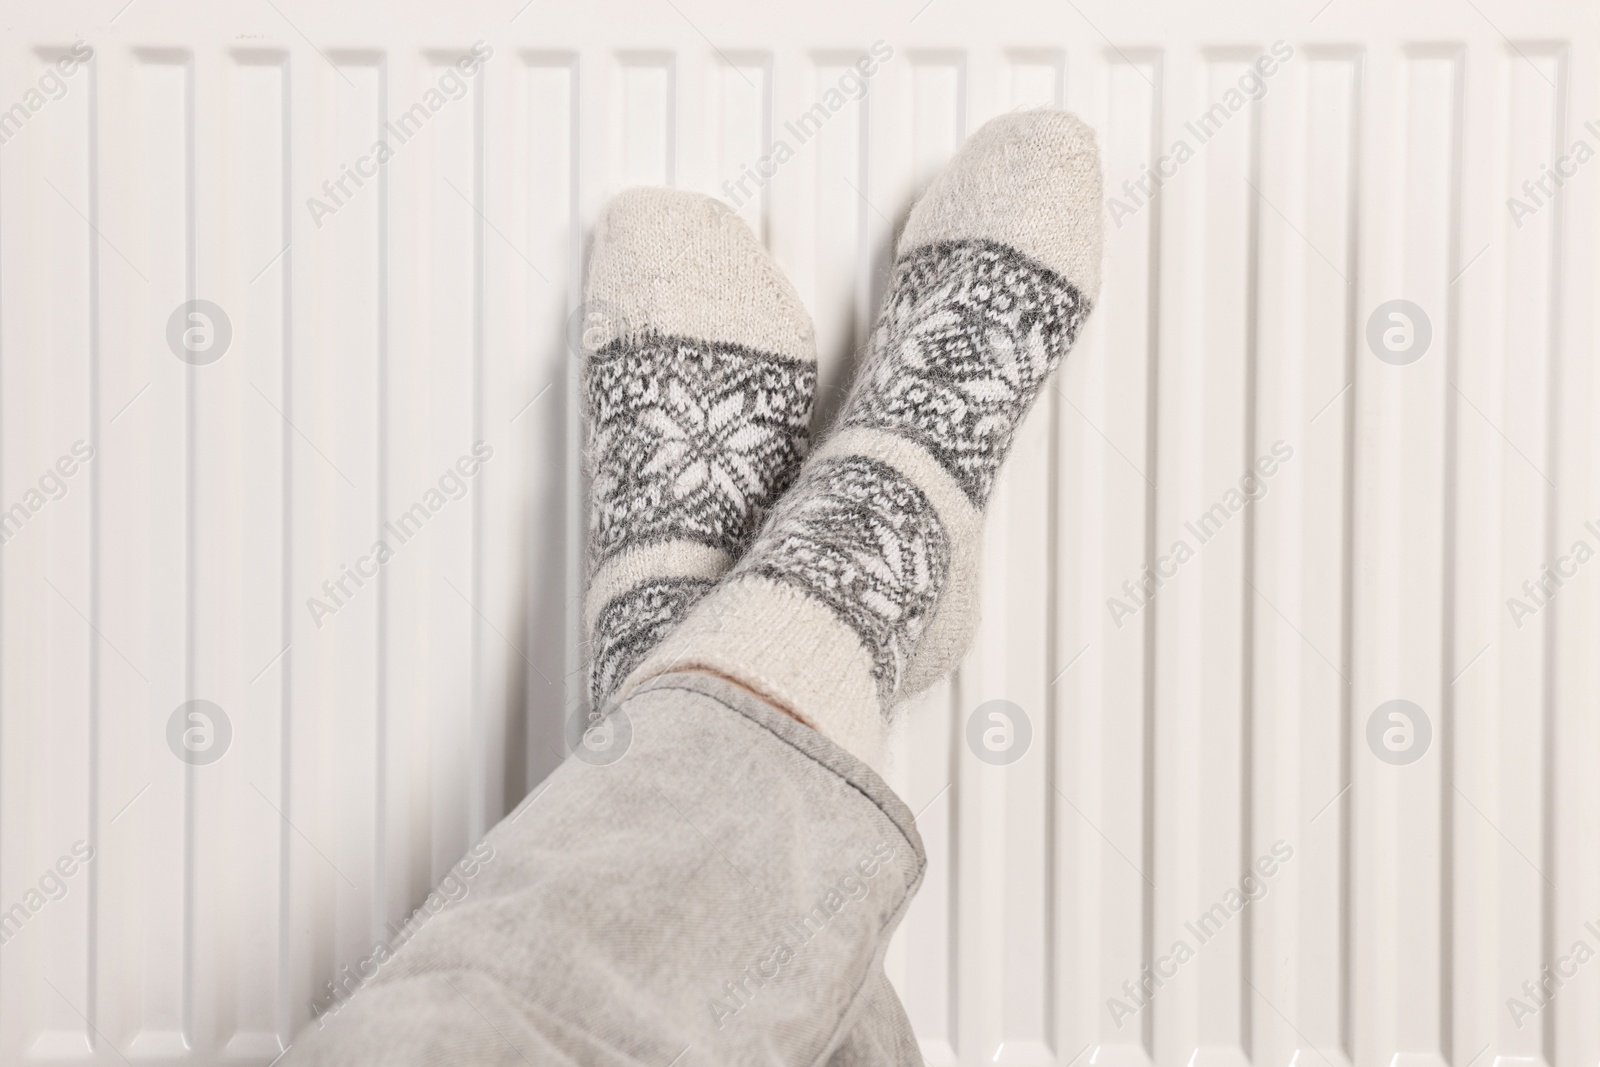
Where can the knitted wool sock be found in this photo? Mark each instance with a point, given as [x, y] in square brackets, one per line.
[698, 397]
[861, 588]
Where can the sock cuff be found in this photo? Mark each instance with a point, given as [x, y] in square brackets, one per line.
[790, 648]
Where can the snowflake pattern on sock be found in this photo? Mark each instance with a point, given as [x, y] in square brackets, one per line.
[857, 535]
[690, 440]
[971, 331]
[634, 622]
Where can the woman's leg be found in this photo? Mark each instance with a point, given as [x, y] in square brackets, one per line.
[724, 891]
[720, 893]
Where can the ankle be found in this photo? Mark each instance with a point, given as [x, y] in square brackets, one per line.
[736, 683]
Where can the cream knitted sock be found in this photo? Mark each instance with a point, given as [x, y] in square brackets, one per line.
[698, 392]
[860, 589]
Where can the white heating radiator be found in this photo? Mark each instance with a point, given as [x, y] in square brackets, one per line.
[199, 528]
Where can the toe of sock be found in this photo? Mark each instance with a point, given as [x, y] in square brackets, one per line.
[678, 263]
[1029, 179]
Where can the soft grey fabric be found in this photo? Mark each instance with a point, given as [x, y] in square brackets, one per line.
[721, 894]
[881, 1033]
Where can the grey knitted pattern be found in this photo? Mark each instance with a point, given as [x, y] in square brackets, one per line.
[689, 440]
[860, 537]
[971, 331]
[634, 622]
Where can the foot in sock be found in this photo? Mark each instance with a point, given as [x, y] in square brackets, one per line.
[698, 396]
[860, 590]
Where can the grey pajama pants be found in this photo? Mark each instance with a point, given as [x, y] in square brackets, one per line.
[721, 894]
